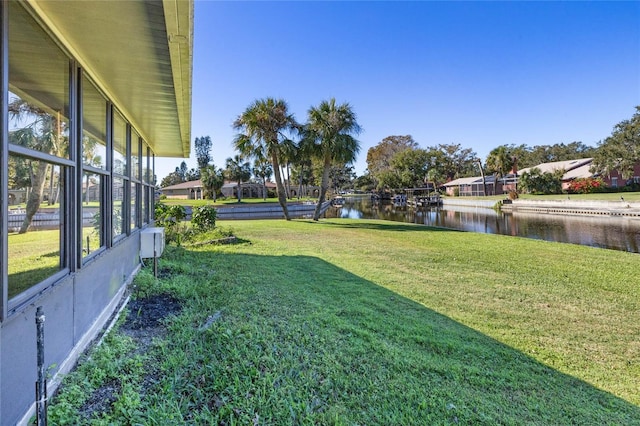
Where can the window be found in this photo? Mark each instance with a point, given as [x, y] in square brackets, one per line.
[136, 187]
[119, 144]
[35, 224]
[146, 180]
[94, 160]
[118, 206]
[92, 217]
[614, 182]
[120, 186]
[39, 155]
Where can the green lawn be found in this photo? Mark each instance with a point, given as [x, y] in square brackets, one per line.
[372, 322]
[33, 256]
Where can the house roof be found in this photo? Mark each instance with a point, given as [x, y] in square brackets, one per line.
[578, 173]
[462, 181]
[558, 165]
[184, 185]
[140, 53]
[470, 181]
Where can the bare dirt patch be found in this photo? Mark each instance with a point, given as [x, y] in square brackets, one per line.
[144, 324]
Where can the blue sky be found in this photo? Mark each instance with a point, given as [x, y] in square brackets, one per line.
[479, 74]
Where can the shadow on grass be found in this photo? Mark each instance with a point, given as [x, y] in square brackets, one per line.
[327, 344]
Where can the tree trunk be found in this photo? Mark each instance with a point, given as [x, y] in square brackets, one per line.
[51, 185]
[484, 182]
[323, 188]
[300, 185]
[282, 199]
[35, 195]
[264, 188]
[239, 191]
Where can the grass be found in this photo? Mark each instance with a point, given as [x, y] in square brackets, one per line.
[33, 256]
[370, 322]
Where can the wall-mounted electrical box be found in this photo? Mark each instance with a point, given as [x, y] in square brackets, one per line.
[151, 242]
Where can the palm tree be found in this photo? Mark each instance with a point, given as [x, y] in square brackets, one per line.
[262, 169]
[238, 170]
[499, 162]
[264, 128]
[212, 180]
[331, 126]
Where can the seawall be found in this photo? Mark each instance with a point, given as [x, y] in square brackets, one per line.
[571, 207]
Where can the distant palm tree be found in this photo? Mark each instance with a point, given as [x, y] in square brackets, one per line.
[264, 129]
[500, 162]
[331, 126]
[262, 169]
[238, 170]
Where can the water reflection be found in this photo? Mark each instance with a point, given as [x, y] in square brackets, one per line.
[618, 233]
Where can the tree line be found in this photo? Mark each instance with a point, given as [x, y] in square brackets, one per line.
[320, 152]
[399, 162]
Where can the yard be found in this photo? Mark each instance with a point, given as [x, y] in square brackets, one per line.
[370, 322]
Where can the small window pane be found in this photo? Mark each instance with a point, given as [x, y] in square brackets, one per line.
[134, 206]
[146, 171]
[145, 204]
[92, 220]
[94, 122]
[35, 222]
[118, 207]
[119, 144]
[135, 155]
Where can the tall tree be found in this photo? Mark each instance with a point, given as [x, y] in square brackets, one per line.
[182, 171]
[203, 151]
[332, 127]
[238, 170]
[171, 179]
[455, 161]
[411, 167]
[621, 150]
[379, 157]
[264, 128]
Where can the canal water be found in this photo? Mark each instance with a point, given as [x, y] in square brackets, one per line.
[617, 233]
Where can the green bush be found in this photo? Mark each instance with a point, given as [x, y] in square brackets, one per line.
[203, 218]
[171, 217]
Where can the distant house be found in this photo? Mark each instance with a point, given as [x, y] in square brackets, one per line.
[249, 189]
[473, 186]
[615, 180]
[574, 169]
[191, 190]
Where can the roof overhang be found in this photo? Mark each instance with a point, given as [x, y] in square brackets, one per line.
[140, 53]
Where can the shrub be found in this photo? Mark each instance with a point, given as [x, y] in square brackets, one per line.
[171, 217]
[203, 218]
[585, 185]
